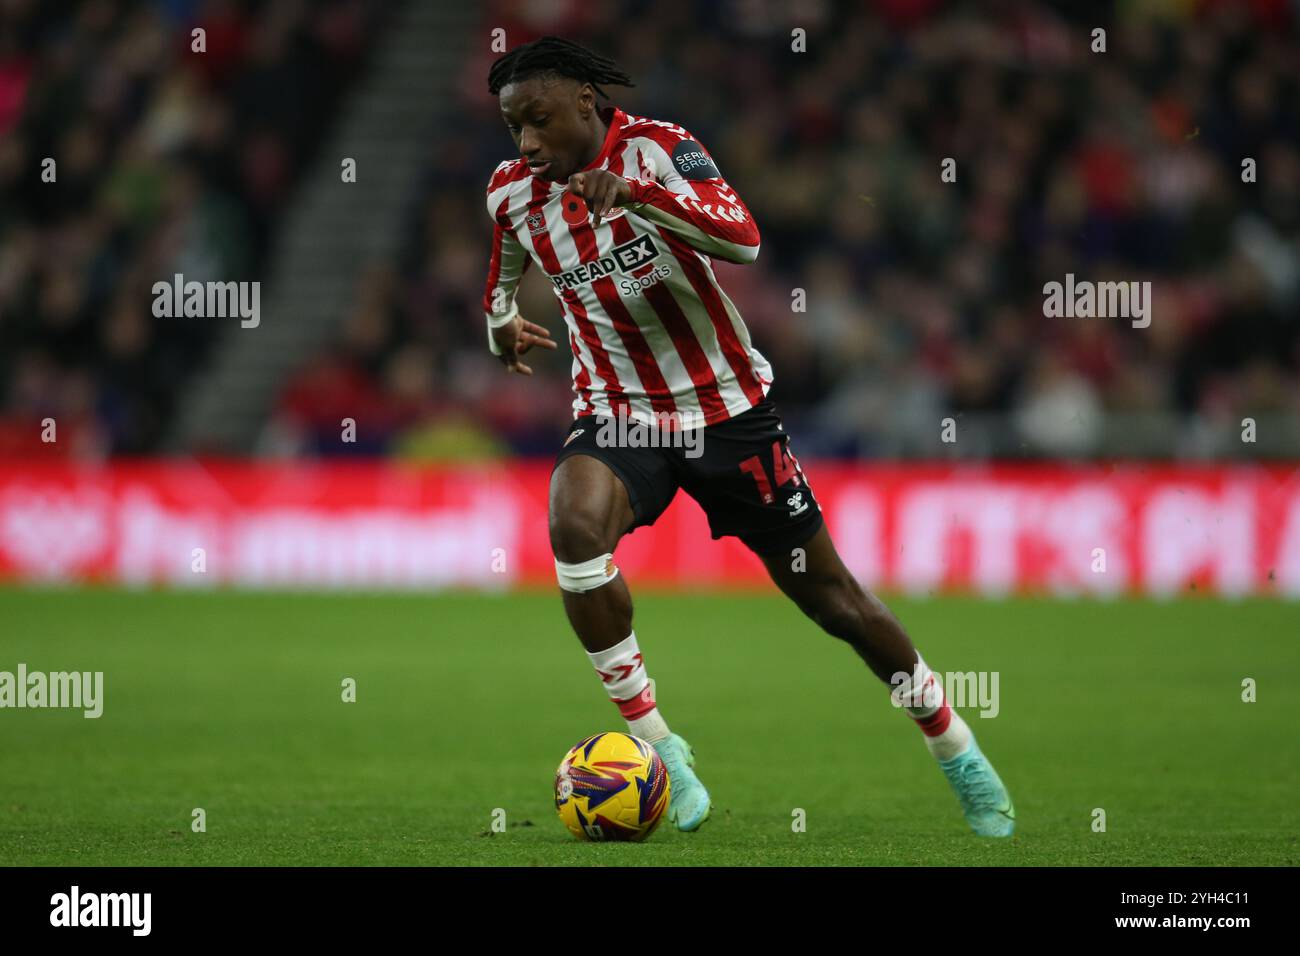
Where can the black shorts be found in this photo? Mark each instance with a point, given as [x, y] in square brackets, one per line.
[741, 471]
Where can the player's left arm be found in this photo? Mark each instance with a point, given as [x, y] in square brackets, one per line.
[509, 333]
[687, 197]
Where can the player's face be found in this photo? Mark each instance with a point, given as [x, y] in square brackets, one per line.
[549, 122]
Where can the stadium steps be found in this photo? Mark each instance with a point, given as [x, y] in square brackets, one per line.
[334, 230]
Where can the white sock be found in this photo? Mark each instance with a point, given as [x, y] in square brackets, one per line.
[921, 695]
[622, 671]
[954, 740]
[650, 727]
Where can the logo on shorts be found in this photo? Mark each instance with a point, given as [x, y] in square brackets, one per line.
[797, 504]
[573, 435]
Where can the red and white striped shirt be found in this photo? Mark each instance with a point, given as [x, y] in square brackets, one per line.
[652, 331]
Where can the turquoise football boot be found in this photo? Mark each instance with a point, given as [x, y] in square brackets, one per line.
[983, 797]
[688, 804]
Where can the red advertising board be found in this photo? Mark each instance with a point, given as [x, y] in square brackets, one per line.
[988, 529]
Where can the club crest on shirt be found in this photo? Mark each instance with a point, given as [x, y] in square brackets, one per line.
[536, 223]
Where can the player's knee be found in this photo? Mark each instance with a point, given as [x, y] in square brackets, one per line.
[578, 534]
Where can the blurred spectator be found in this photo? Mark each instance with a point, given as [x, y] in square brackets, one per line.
[167, 161]
[923, 297]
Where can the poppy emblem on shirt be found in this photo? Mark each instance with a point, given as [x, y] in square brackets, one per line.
[575, 209]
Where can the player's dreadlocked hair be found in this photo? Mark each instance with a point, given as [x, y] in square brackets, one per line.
[557, 55]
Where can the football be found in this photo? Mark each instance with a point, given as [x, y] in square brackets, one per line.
[611, 786]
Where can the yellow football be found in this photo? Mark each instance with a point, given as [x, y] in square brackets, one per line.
[611, 786]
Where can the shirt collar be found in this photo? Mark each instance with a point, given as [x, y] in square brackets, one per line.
[615, 117]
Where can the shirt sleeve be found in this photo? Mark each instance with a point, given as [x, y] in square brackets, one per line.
[689, 197]
[506, 267]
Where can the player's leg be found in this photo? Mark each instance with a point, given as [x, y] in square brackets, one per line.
[588, 513]
[814, 577]
[824, 589]
[750, 485]
[590, 510]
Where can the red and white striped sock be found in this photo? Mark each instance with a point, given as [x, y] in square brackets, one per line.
[623, 673]
[921, 695]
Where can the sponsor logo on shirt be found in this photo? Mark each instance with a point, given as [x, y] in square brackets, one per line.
[692, 162]
[625, 258]
[637, 285]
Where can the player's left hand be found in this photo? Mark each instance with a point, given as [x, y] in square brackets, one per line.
[601, 190]
[517, 337]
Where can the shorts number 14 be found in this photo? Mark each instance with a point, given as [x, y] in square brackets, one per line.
[784, 466]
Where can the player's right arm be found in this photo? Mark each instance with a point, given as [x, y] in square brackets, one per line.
[509, 333]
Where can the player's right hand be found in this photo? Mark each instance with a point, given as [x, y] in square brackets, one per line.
[517, 337]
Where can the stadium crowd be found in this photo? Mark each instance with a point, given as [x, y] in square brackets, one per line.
[165, 162]
[924, 298]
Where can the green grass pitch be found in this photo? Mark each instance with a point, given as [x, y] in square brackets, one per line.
[465, 703]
